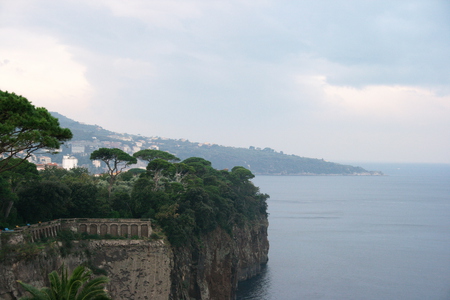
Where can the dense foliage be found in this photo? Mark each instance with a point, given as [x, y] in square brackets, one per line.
[185, 198]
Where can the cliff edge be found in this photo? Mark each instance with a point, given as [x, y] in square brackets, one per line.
[213, 269]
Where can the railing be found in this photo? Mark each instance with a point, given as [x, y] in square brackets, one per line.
[140, 228]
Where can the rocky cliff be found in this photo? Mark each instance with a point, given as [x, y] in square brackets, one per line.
[146, 269]
[213, 269]
[138, 269]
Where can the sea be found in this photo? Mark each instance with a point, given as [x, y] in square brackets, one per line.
[357, 237]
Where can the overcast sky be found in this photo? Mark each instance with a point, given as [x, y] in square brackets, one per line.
[340, 80]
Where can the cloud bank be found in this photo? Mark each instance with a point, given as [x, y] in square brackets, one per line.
[340, 80]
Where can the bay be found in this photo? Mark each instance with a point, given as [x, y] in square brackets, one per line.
[357, 237]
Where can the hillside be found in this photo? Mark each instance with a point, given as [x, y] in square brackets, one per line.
[88, 138]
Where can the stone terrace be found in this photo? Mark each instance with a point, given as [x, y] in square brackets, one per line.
[130, 228]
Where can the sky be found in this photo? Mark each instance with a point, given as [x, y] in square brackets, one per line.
[353, 80]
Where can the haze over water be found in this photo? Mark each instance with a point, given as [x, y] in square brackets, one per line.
[334, 237]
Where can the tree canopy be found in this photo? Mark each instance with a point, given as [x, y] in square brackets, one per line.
[25, 128]
[116, 161]
[152, 154]
[23, 172]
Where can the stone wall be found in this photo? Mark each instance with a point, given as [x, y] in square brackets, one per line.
[140, 228]
[131, 228]
[137, 269]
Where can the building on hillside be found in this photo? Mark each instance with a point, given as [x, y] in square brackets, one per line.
[41, 167]
[69, 162]
[45, 159]
[126, 149]
[78, 148]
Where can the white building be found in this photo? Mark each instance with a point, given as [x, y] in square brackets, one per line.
[69, 162]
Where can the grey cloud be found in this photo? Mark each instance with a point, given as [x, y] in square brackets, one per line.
[245, 69]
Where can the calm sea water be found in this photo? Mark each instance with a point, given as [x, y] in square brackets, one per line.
[334, 237]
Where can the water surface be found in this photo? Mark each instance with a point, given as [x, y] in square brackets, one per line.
[357, 237]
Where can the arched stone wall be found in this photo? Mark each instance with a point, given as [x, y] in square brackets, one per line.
[114, 230]
[130, 228]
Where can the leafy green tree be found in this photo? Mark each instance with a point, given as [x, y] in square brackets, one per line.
[160, 169]
[85, 201]
[130, 174]
[151, 154]
[25, 129]
[53, 173]
[6, 197]
[116, 161]
[78, 286]
[44, 200]
[121, 201]
[182, 170]
[241, 174]
[16, 177]
[200, 165]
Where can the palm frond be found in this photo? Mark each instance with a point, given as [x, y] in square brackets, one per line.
[35, 292]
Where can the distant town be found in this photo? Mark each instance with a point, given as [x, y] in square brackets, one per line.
[75, 154]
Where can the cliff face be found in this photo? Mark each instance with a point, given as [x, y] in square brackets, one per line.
[213, 270]
[137, 269]
[143, 269]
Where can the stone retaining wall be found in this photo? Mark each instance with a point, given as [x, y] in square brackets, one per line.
[129, 228]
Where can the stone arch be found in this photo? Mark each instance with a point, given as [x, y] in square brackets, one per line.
[103, 229]
[93, 229]
[114, 230]
[134, 230]
[83, 228]
[124, 230]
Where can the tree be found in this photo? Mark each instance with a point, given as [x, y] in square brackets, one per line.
[53, 173]
[200, 165]
[43, 200]
[85, 201]
[151, 154]
[6, 198]
[79, 286]
[116, 161]
[16, 177]
[159, 168]
[241, 174]
[24, 129]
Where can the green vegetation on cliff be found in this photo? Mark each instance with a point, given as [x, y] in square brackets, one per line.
[185, 199]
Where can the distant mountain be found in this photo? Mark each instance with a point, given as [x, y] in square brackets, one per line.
[88, 138]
